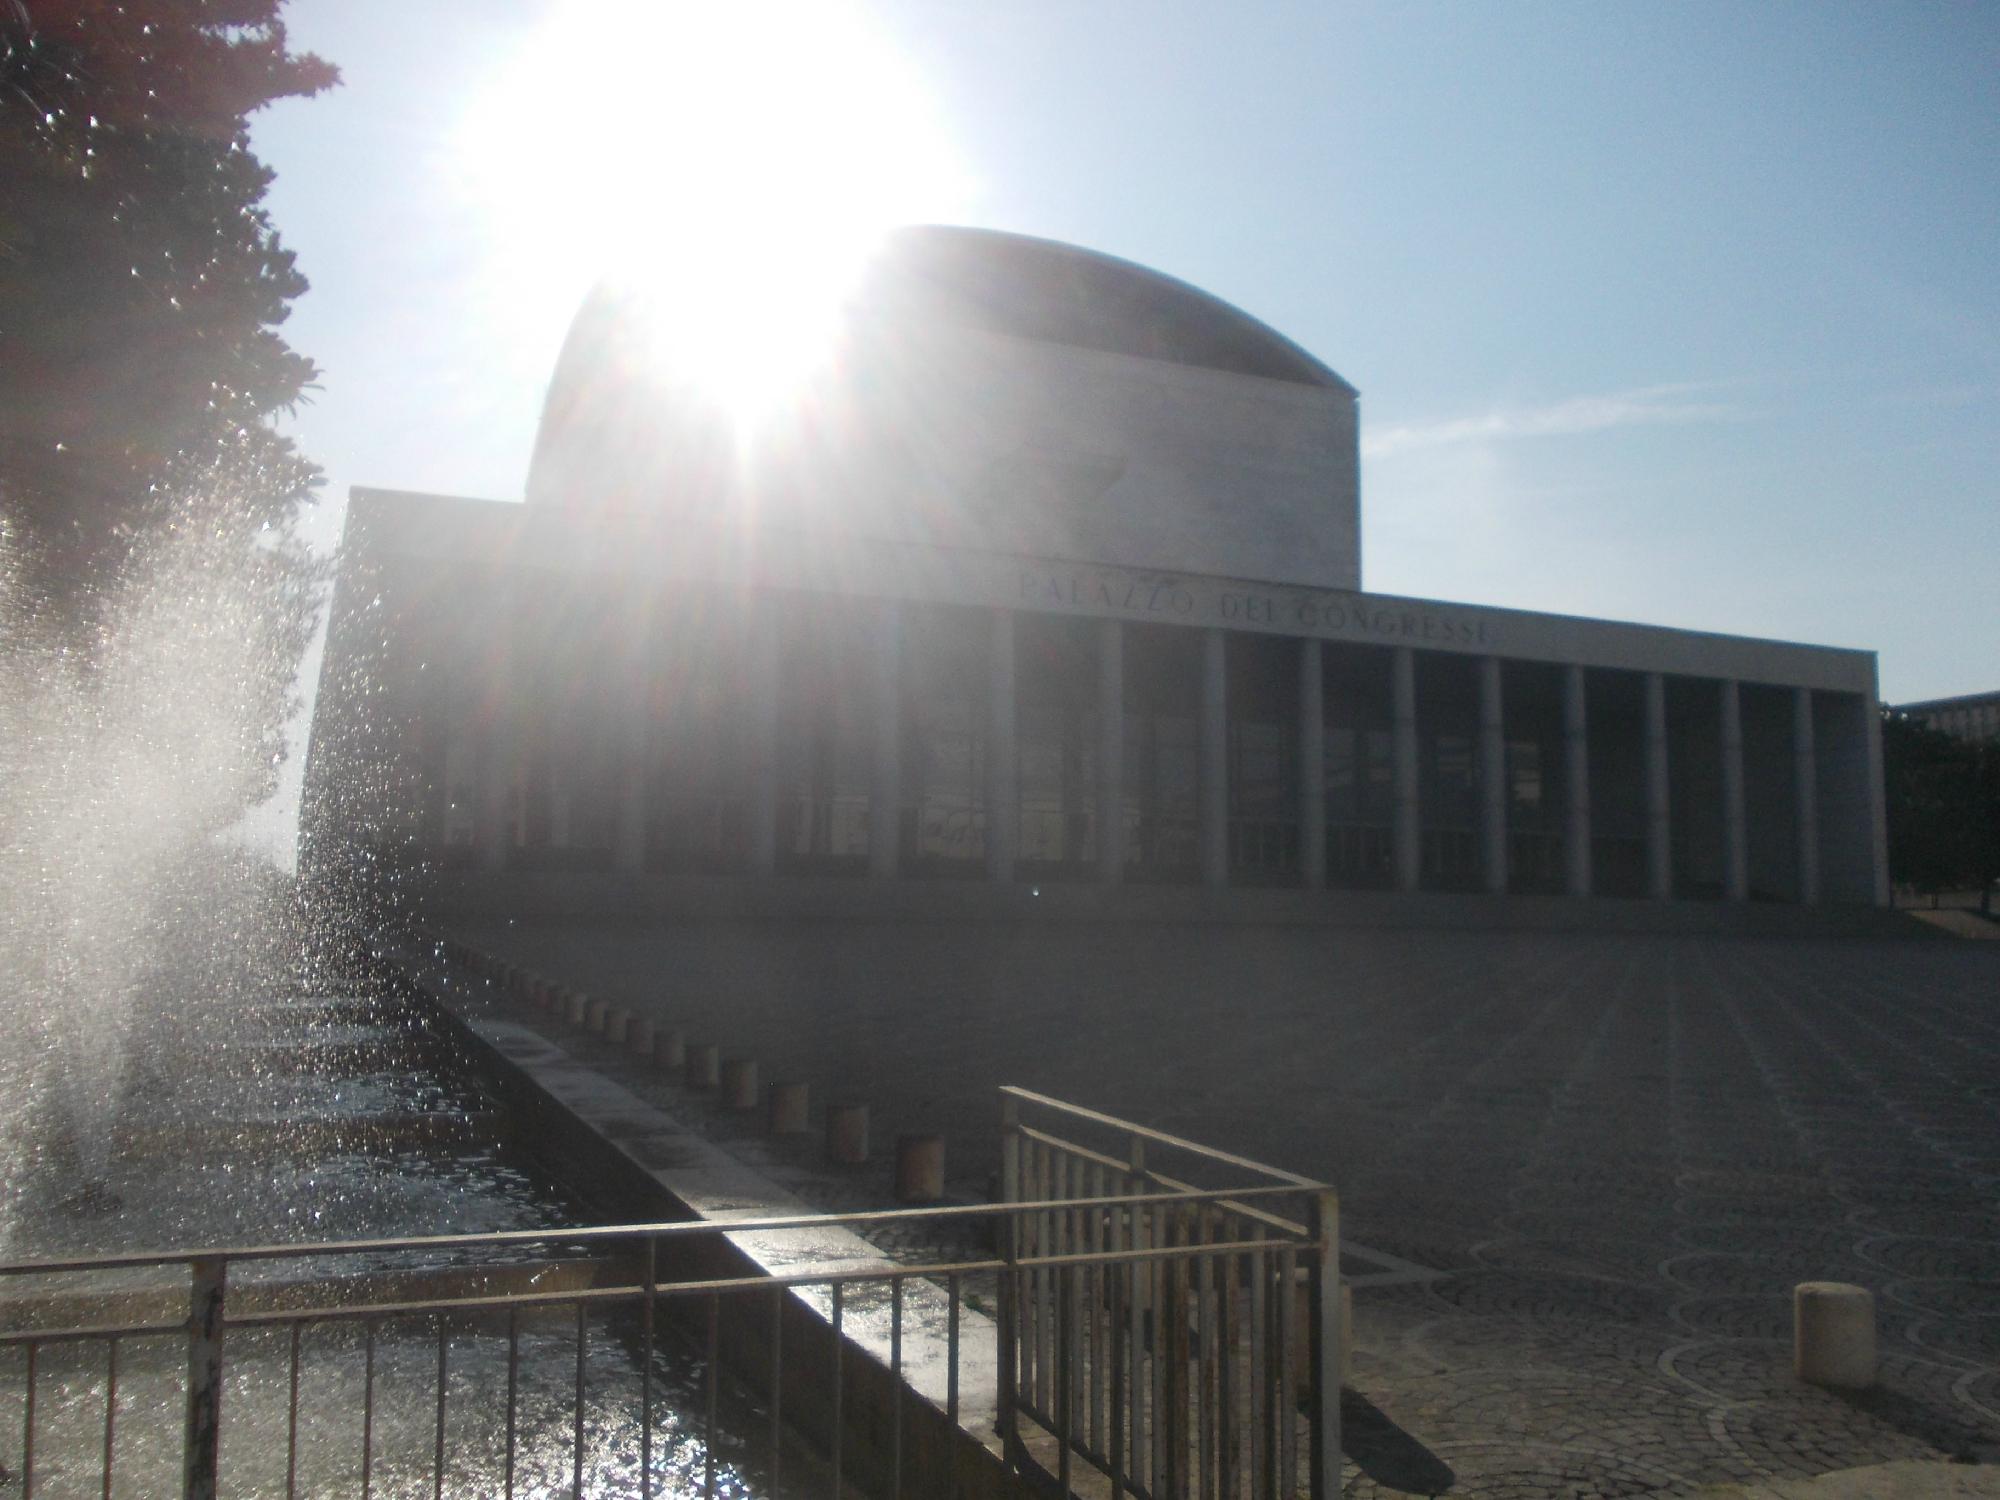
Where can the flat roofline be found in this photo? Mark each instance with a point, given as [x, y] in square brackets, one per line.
[588, 553]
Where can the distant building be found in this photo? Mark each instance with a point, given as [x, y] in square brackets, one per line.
[1057, 577]
[1975, 716]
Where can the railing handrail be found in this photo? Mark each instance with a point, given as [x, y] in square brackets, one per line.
[666, 1229]
[1294, 1182]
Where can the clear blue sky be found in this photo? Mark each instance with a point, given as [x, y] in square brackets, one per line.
[1678, 313]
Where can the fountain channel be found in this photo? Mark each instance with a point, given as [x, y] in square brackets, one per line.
[311, 1114]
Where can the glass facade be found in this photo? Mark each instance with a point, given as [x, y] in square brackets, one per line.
[945, 711]
[1055, 726]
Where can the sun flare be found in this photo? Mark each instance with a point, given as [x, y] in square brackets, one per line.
[732, 165]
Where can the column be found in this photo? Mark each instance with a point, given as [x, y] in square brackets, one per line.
[1492, 778]
[1659, 827]
[494, 833]
[1878, 811]
[1214, 752]
[763, 780]
[1003, 797]
[1110, 751]
[1576, 783]
[885, 787]
[1312, 763]
[1805, 794]
[634, 744]
[1407, 833]
[1735, 828]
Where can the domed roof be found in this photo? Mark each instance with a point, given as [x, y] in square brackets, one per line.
[1063, 294]
[608, 418]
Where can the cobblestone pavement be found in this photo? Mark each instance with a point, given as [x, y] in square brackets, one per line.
[1619, 1153]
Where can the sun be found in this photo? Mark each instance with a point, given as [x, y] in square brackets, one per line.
[730, 166]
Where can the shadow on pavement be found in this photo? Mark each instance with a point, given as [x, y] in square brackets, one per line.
[1386, 1453]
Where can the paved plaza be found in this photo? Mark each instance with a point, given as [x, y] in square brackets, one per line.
[1617, 1153]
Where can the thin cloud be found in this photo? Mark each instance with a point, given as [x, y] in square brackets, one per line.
[1651, 406]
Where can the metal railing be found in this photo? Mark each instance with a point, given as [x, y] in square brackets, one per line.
[1179, 1340]
[1146, 1328]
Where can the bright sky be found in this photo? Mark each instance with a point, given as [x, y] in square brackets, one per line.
[1685, 314]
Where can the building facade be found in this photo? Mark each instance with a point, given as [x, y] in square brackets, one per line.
[1973, 716]
[1055, 578]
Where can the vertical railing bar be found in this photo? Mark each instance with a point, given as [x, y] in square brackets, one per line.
[28, 1424]
[1139, 1393]
[1229, 1438]
[110, 1406]
[1259, 1369]
[951, 1291]
[201, 1444]
[513, 1388]
[1182, 1439]
[1204, 1293]
[1160, 1359]
[1064, 1410]
[1038, 1359]
[1094, 1288]
[368, 1408]
[1115, 1285]
[437, 1455]
[576, 1402]
[1288, 1423]
[292, 1416]
[1008, 1291]
[895, 1388]
[778, 1295]
[1328, 1338]
[713, 1393]
[839, 1365]
[646, 1316]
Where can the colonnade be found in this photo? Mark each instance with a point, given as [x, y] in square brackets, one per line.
[886, 647]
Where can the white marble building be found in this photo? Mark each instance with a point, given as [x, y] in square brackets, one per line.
[1054, 577]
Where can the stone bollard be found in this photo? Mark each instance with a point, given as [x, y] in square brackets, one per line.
[1833, 1334]
[704, 1065]
[847, 1134]
[599, 1013]
[639, 1035]
[616, 1021]
[576, 1007]
[919, 1168]
[739, 1083]
[791, 1108]
[670, 1049]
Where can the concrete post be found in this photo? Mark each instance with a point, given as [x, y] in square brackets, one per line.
[1576, 778]
[885, 792]
[919, 1168]
[1214, 759]
[1312, 764]
[739, 1083]
[669, 1048]
[1659, 826]
[1805, 794]
[1110, 751]
[790, 1107]
[1735, 828]
[847, 1134]
[1407, 832]
[701, 1066]
[1833, 1334]
[763, 787]
[1492, 778]
[1003, 798]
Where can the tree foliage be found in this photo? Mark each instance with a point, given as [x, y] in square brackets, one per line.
[141, 280]
[1943, 798]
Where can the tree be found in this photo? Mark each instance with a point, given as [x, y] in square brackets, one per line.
[1943, 801]
[141, 281]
